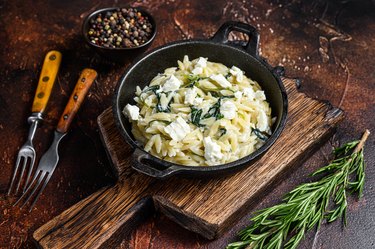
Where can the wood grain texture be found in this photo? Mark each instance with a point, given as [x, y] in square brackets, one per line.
[205, 206]
[76, 99]
[47, 80]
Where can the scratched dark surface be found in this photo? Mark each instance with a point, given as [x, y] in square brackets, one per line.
[329, 45]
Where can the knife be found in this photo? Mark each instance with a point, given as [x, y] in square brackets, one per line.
[49, 160]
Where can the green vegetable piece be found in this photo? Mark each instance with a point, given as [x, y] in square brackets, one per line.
[214, 111]
[193, 80]
[196, 116]
[222, 131]
[284, 225]
[228, 75]
[261, 135]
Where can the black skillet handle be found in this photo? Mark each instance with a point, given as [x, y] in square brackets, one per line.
[251, 46]
[141, 161]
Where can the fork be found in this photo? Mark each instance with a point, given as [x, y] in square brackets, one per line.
[27, 153]
[49, 160]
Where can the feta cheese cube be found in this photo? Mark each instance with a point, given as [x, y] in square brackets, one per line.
[212, 151]
[228, 109]
[197, 101]
[131, 111]
[199, 65]
[259, 95]
[238, 95]
[190, 95]
[171, 84]
[202, 62]
[197, 70]
[237, 72]
[178, 129]
[205, 106]
[221, 80]
[262, 121]
[249, 93]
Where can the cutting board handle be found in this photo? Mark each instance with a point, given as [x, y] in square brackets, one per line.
[100, 219]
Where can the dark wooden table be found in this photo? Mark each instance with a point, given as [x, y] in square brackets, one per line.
[329, 45]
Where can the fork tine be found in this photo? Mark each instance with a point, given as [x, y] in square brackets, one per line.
[14, 174]
[22, 172]
[29, 174]
[42, 175]
[40, 190]
[28, 188]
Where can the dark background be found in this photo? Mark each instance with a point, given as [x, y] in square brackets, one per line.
[329, 45]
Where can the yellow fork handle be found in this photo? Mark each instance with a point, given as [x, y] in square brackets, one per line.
[47, 79]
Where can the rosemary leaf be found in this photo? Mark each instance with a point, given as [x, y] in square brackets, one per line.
[284, 225]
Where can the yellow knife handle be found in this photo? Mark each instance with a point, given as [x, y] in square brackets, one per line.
[80, 91]
[47, 79]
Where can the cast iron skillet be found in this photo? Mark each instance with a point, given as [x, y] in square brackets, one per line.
[217, 49]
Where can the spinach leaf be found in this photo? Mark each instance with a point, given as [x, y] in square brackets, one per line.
[193, 80]
[261, 135]
[159, 108]
[214, 111]
[196, 116]
[227, 97]
[222, 131]
[217, 95]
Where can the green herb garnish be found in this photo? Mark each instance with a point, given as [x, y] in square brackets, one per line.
[261, 135]
[214, 111]
[285, 224]
[222, 131]
[196, 116]
[228, 97]
[193, 80]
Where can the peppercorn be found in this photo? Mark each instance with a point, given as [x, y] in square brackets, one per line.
[120, 28]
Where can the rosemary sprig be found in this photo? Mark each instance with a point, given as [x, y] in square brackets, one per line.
[285, 224]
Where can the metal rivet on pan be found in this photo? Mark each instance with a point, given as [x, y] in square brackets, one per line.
[75, 97]
[65, 116]
[52, 57]
[45, 78]
[83, 79]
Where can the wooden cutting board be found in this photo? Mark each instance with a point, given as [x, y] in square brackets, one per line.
[205, 206]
